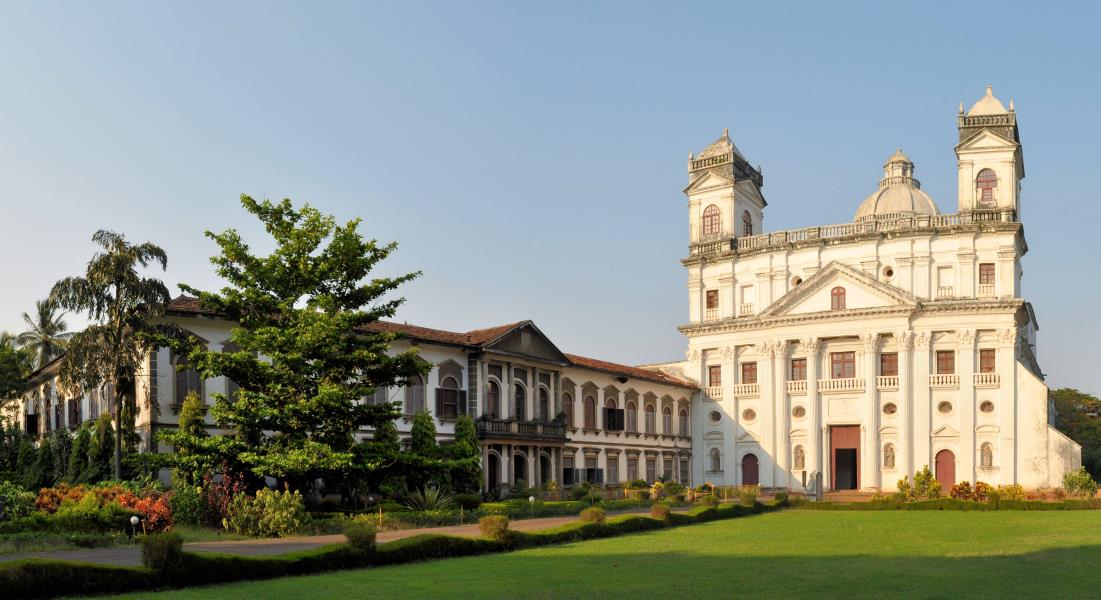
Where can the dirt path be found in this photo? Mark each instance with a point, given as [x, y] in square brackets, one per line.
[130, 556]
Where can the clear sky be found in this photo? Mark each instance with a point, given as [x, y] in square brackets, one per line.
[530, 157]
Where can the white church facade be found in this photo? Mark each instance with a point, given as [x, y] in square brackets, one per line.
[855, 353]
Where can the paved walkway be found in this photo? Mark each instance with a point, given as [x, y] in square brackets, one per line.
[130, 556]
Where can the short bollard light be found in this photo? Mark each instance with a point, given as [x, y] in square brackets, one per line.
[133, 526]
[531, 503]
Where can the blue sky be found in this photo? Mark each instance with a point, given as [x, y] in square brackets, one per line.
[530, 158]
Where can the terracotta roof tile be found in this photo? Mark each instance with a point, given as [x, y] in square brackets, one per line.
[186, 304]
[475, 338]
[639, 373]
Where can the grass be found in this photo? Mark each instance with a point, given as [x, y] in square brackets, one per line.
[815, 554]
[192, 533]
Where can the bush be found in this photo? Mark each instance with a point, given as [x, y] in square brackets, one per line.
[430, 499]
[780, 498]
[660, 512]
[594, 514]
[186, 504]
[360, 536]
[637, 484]
[161, 551]
[1011, 492]
[468, 501]
[961, 491]
[1079, 483]
[268, 514]
[642, 494]
[925, 484]
[982, 491]
[578, 492]
[747, 494]
[15, 502]
[494, 527]
[709, 500]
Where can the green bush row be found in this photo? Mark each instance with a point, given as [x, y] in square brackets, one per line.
[954, 504]
[46, 579]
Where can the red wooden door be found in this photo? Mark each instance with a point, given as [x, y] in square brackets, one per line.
[750, 475]
[946, 470]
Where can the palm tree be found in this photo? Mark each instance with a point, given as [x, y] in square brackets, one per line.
[121, 305]
[47, 335]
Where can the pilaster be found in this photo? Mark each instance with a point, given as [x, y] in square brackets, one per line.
[965, 338]
[904, 462]
[922, 402]
[869, 470]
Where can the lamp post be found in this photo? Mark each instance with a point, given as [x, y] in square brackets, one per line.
[531, 503]
[134, 526]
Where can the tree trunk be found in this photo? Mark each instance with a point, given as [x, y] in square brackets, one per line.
[117, 466]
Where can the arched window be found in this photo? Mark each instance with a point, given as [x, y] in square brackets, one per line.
[544, 404]
[567, 404]
[747, 223]
[800, 462]
[889, 456]
[519, 402]
[712, 220]
[493, 400]
[414, 395]
[684, 422]
[650, 418]
[667, 421]
[986, 455]
[447, 399]
[590, 412]
[630, 415]
[187, 381]
[837, 298]
[985, 183]
[716, 460]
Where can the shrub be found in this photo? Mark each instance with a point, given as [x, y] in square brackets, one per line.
[361, 536]
[982, 491]
[1079, 483]
[747, 494]
[637, 484]
[269, 514]
[905, 489]
[593, 514]
[672, 488]
[578, 492]
[468, 501]
[494, 527]
[642, 495]
[186, 504]
[709, 500]
[431, 498]
[1011, 492]
[781, 498]
[161, 551]
[925, 484]
[660, 511]
[961, 491]
[15, 502]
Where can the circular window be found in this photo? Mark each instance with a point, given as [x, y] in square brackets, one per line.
[890, 408]
[944, 408]
[796, 281]
[749, 414]
[715, 416]
[798, 412]
[987, 406]
[888, 272]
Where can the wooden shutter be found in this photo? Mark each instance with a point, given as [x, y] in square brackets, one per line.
[439, 402]
[462, 402]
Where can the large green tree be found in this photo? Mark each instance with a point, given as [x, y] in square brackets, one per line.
[308, 356]
[123, 306]
[1078, 415]
[15, 367]
[47, 333]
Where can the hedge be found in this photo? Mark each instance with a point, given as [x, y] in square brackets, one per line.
[953, 504]
[44, 579]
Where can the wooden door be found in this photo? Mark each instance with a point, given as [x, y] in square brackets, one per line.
[946, 470]
[845, 437]
[750, 471]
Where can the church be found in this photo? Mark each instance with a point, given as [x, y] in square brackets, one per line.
[836, 357]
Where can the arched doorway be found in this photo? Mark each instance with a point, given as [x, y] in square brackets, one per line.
[946, 470]
[750, 474]
[520, 468]
[493, 469]
[544, 469]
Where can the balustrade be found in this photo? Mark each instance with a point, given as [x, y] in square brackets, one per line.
[987, 380]
[986, 290]
[747, 389]
[797, 387]
[745, 309]
[715, 392]
[886, 382]
[944, 381]
[849, 384]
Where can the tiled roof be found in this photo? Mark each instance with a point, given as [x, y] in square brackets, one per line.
[475, 338]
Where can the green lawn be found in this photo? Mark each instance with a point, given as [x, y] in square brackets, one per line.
[779, 555]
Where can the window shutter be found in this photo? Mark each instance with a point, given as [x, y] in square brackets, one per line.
[462, 402]
[439, 402]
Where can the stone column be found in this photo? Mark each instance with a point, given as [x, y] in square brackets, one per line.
[506, 465]
[814, 450]
[782, 410]
[904, 462]
[509, 388]
[869, 428]
[966, 368]
[766, 353]
[599, 417]
[921, 402]
[533, 462]
[1006, 454]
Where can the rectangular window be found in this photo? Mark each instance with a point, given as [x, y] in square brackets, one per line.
[987, 357]
[842, 365]
[986, 274]
[613, 419]
[798, 369]
[667, 468]
[684, 478]
[568, 477]
[613, 469]
[632, 468]
[888, 364]
[651, 470]
[946, 362]
[712, 299]
[714, 376]
[749, 372]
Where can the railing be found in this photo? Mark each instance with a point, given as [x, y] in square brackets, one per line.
[886, 382]
[747, 389]
[527, 429]
[944, 381]
[987, 380]
[851, 384]
[715, 393]
[745, 309]
[883, 223]
[946, 291]
[711, 314]
[797, 387]
[986, 290]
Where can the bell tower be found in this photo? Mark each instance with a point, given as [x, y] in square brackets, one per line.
[724, 194]
[989, 158]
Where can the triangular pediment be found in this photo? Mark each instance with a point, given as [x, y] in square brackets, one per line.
[527, 341]
[985, 139]
[747, 438]
[946, 432]
[862, 292]
[707, 181]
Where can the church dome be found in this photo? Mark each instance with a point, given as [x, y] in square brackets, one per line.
[988, 105]
[898, 194]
